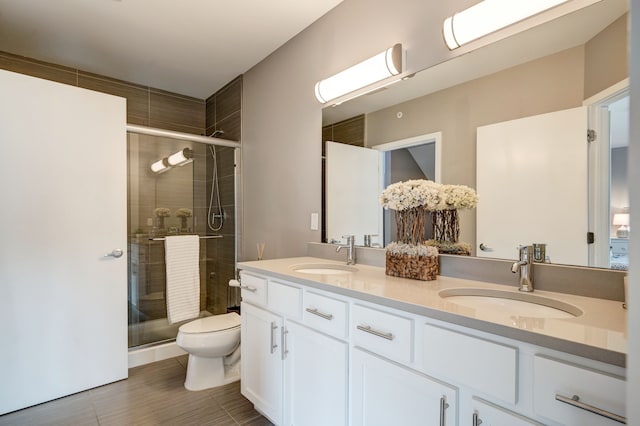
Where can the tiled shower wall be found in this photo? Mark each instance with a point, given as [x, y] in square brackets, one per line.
[154, 107]
[223, 113]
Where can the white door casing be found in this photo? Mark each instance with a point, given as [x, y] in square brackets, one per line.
[63, 305]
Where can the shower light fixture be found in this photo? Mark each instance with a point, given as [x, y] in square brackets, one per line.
[160, 166]
[377, 68]
[488, 16]
[180, 158]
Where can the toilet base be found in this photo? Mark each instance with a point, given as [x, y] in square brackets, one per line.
[205, 373]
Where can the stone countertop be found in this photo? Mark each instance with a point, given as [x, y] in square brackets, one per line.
[600, 333]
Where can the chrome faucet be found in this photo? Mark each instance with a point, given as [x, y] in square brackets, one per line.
[525, 267]
[351, 249]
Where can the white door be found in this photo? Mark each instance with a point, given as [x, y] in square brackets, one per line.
[63, 306]
[262, 365]
[532, 185]
[384, 393]
[352, 191]
[316, 378]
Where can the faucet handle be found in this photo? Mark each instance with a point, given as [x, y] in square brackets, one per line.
[367, 239]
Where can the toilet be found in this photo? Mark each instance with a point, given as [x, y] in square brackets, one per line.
[213, 344]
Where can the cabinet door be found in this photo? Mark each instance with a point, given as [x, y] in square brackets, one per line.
[261, 372]
[315, 378]
[488, 414]
[384, 393]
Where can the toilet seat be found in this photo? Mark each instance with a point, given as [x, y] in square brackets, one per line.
[211, 324]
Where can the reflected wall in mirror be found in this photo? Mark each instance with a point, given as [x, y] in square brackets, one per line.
[552, 67]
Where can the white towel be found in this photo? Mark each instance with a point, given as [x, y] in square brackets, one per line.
[182, 256]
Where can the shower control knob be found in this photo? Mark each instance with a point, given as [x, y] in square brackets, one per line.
[115, 253]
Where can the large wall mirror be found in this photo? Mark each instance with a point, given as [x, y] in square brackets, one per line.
[577, 61]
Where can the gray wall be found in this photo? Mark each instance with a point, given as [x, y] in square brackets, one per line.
[282, 120]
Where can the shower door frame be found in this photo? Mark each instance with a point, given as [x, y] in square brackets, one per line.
[152, 131]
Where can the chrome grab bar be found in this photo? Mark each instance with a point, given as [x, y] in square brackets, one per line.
[575, 402]
[368, 329]
[314, 311]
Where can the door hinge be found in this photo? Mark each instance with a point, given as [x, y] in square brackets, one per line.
[591, 238]
[591, 135]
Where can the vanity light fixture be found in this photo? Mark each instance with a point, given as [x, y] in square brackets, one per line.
[621, 220]
[383, 65]
[160, 166]
[488, 16]
[180, 158]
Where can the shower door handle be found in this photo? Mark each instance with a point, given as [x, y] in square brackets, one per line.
[115, 253]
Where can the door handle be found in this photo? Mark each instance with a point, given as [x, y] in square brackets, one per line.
[115, 253]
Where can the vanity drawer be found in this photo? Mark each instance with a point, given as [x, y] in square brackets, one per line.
[489, 367]
[555, 381]
[284, 299]
[383, 333]
[325, 314]
[254, 288]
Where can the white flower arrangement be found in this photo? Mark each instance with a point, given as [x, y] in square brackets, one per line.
[411, 249]
[459, 197]
[184, 212]
[162, 212]
[427, 194]
[412, 194]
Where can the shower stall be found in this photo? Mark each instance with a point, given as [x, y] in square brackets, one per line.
[178, 185]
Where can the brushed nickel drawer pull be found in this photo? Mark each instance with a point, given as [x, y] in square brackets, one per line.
[575, 401]
[314, 311]
[368, 329]
[284, 349]
[443, 406]
[475, 420]
[274, 327]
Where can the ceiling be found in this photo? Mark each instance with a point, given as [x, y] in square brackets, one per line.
[192, 47]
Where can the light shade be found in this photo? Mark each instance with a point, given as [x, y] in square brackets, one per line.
[621, 219]
[373, 70]
[160, 166]
[489, 16]
[180, 158]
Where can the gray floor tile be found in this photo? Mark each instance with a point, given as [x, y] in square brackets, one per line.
[154, 394]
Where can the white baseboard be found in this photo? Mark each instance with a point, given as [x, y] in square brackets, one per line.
[151, 354]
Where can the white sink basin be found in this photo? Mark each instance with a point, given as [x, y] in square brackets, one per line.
[324, 269]
[511, 303]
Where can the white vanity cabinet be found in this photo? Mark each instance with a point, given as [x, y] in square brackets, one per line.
[487, 414]
[315, 388]
[385, 393]
[565, 393]
[293, 373]
[261, 377]
[314, 357]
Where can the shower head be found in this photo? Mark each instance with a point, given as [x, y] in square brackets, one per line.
[216, 133]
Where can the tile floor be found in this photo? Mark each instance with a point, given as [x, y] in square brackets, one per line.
[154, 394]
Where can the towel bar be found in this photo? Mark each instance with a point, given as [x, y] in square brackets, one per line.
[205, 237]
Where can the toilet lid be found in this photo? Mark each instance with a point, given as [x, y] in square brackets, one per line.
[212, 323]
